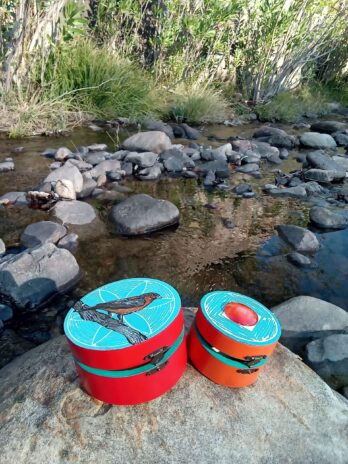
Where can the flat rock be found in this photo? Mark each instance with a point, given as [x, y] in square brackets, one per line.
[320, 175]
[46, 417]
[300, 239]
[69, 173]
[328, 357]
[42, 232]
[305, 318]
[325, 218]
[104, 167]
[317, 140]
[142, 214]
[94, 158]
[144, 160]
[69, 242]
[154, 141]
[242, 188]
[291, 192]
[328, 127]
[276, 137]
[30, 278]
[318, 159]
[12, 345]
[341, 139]
[74, 212]
[220, 168]
[13, 198]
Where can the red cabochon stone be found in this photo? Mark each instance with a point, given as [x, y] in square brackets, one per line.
[241, 314]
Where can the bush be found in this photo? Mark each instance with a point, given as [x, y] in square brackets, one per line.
[290, 106]
[101, 83]
[198, 104]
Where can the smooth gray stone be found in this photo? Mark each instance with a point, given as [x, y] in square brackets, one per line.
[328, 127]
[6, 166]
[144, 160]
[154, 141]
[292, 192]
[74, 212]
[317, 140]
[142, 214]
[69, 242]
[325, 218]
[42, 232]
[151, 173]
[161, 126]
[97, 147]
[67, 172]
[30, 278]
[89, 185]
[2, 247]
[104, 167]
[299, 260]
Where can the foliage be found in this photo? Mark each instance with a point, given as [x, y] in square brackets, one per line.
[197, 104]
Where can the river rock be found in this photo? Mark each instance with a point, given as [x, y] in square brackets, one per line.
[291, 192]
[299, 260]
[42, 232]
[74, 212]
[210, 179]
[69, 173]
[142, 214]
[317, 140]
[62, 154]
[341, 139]
[6, 313]
[14, 198]
[31, 277]
[276, 137]
[152, 173]
[318, 159]
[119, 155]
[153, 141]
[144, 160]
[305, 318]
[65, 189]
[320, 175]
[190, 132]
[6, 166]
[69, 242]
[104, 167]
[242, 188]
[82, 166]
[2, 247]
[49, 152]
[89, 185]
[55, 165]
[341, 161]
[328, 127]
[300, 239]
[94, 158]
[220, 168]
[325, 218]
[46, 417]
[328, 357]
[159, 126]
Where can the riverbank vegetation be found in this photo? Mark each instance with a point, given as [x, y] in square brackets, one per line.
[68, 61]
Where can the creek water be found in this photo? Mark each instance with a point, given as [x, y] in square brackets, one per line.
[198, 256]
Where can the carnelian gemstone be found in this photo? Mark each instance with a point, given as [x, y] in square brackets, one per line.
[240, 314]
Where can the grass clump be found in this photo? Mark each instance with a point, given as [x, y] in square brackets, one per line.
[101, 83]
[197, 104]
[291, 106]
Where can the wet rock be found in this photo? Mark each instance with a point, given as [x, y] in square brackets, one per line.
[142, 214]
[101, 180]
[104, 167]
[328, 127]
[144, 160]
[69, 242]
[13, 198]
[341, 139]
[220, 168]
[305, 318]
[328, 357]
[159, 126]
[295, 181]
[49, 152]
[2, 247]
[300, 239]
[317, 140]
[42, 232]
[115, 175]
[325, 218]
[210, 179]
[94, 158]
[70, 173]
[12, 345]
[189, 175]
[127, 168]
[65, 189]
[41, 390]
[177, 158]
[119, 155]
[341, 161]
[291, 192]
[190, 132]
[82, 166]
[283, 153]
[6, 166]
[320, 175]
[299, 260]
[97, 147]
[313, 188]
[31, 277]
[242, 188]
[89, 185]
[228, 223]
[152, 173]
[274, 158]
[319, 160]
[62, 154]
[6, 313]
[276, 137]
[74, 212]
[179, 132]
[153, 141]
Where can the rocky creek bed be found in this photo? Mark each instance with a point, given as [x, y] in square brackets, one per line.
[258, 209]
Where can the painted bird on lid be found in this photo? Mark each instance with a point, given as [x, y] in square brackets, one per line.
[121, 307]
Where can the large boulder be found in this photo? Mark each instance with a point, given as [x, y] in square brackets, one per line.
[74, 212]
[154, 141]
[67, 172]
[305, 318]
[325, 218]
[31, 277]
[328, 356]
[300, 239]
[316, 140]
[42, 232]
[328, 127]
[46, 417]
[142, 214]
